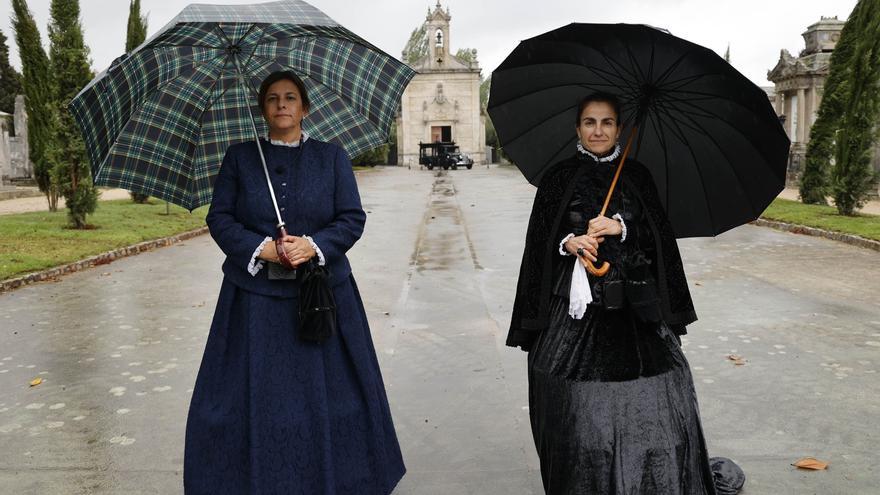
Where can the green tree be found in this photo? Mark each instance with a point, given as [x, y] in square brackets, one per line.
[815, 179]
[375, 156]
[39, 91]
[69, 56]
[137, 33]
[852, 176]
[417, 46]
[10, 80]
[467, 55]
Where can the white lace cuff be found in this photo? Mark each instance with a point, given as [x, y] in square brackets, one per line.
[256, 264]
[562, 250]
[622, 226]
[321, 260]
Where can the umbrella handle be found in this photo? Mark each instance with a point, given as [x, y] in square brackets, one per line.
[598, 271]
[279, 248]
[602, 270]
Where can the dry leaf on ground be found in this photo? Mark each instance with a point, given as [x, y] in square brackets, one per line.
[36, 381]
[810, 463]
[737, 359]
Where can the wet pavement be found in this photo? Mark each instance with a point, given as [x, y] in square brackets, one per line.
[118, 348]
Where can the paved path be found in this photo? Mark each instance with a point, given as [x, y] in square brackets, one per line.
[39, 203]
[119, 347]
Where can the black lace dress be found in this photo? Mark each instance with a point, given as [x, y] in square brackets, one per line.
[612, 401]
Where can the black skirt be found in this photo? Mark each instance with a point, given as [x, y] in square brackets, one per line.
[613, 407]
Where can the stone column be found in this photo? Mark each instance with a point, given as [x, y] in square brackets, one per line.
[814, 106]
[5, 155]
[802, 117]
[780, 102]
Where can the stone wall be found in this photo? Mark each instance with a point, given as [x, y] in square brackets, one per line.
[454, 103]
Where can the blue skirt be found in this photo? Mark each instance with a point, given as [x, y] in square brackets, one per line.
[271, 413]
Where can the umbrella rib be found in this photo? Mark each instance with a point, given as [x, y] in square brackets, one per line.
[634, 63]
[696, 167]
[130, 117]
[662, 79]
[695, 126]
[256, 45]
[658, 129]
[687, 80]
[210, 105]
[536, 124]
[613, 64]
[708, 113]
[556, 86]
[318, 82]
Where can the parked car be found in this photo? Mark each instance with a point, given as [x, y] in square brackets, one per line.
[443, 154]
[437, 154]
[463, 160]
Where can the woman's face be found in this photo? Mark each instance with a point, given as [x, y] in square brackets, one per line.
[283, 108]
[598, 128]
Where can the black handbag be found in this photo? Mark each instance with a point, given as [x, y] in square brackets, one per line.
[317, 306]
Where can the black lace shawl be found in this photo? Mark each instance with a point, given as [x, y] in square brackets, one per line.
[531, 308]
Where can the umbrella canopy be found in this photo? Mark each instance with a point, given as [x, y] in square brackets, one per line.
[710, 137]
[159, 120]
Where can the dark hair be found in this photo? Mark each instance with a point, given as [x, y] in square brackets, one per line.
[280, 76]
[596, 98]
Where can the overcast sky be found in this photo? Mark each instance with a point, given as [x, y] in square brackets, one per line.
[755, 29]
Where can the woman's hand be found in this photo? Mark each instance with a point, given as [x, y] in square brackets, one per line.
[588, 243]
[269, 253]
[298, 249]
[602, 226]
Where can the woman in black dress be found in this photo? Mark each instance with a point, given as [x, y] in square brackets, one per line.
[612, 402]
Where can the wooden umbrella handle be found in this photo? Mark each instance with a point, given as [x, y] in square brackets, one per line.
[279, 249]
[600, 271]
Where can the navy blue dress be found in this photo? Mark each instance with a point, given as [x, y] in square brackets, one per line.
[271, 413]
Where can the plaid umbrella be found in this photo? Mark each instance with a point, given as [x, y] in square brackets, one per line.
[159, 120]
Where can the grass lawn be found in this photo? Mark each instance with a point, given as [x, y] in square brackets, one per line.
[39, 240]
[823, 217]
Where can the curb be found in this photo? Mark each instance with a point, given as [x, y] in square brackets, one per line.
[101, 259]
[794, 228]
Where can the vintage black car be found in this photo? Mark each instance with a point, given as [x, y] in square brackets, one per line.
[445, 154]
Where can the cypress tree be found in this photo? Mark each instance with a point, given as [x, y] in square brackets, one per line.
[136, 34]
[852, 176]
[815, 180]
[10, 80]
[39, 91]
[69, 57]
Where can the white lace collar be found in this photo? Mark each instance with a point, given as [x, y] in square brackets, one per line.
[606, 158]
[294, 144]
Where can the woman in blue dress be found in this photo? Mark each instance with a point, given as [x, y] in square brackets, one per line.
[271, 412]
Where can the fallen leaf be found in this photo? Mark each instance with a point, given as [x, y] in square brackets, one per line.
[36, 381]
[810, 463]
[737, 359]
[699, 284]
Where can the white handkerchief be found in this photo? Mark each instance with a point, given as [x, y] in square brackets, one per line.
[579, 295]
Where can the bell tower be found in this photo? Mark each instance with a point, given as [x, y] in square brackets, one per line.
[437, 29]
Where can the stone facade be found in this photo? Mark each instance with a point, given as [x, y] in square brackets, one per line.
[799, 84]
[14, 152]
[442, 102]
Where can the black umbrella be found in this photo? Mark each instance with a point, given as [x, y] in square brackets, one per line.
[710, 137]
